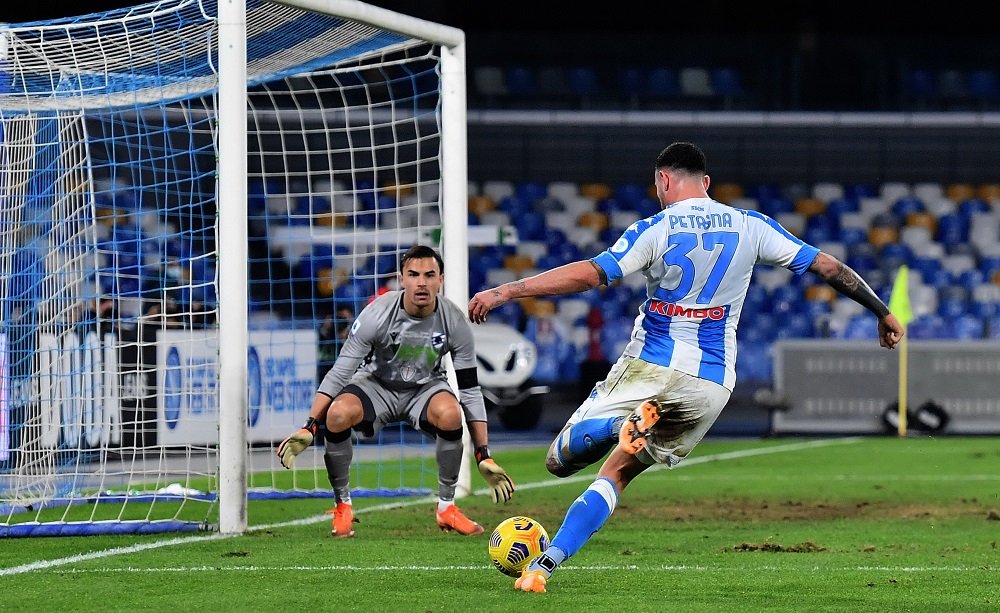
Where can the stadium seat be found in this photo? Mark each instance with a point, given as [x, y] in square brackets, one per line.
[960, 191]
[827, 191]
[928, 191]
[522, 82]
[490, 84]
[481, 204]
[879, 236]
[990, 192]
[727, 193]
[498, 189]
[951, 85]
[967, 327]
[662, 84]
[696, 82]
[595, 191]
[983, 87]
[530, 225]
[593, 219]
[585, 84]
[632, 85]
[553, 84]
[562, 190]
[920, 88]
[727, 83]
[810, 206]
[514, 206]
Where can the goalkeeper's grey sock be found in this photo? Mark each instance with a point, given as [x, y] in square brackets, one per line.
[448, 450]
[338, 456]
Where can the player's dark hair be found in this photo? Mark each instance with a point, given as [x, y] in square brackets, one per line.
[685, 157]
[419, 252]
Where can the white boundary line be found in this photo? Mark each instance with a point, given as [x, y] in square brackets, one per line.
[718, 457]
[491, 569]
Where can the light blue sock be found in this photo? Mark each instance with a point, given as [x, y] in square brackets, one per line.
[589, 440]
[585, 517]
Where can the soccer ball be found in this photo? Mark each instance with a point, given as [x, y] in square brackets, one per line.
[515, 542]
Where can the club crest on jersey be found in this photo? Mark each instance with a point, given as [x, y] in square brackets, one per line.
[437, 341]
[407, 372]
[671, 309]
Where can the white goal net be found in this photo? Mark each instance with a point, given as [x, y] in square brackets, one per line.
[185, 231]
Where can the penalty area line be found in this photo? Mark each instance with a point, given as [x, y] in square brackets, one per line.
[95, 555]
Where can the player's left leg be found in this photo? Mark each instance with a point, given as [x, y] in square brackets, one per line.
[592, 431]
[442, 418]
[584, 518]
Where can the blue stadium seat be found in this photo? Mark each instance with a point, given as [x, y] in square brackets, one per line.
[906, 205]
[727, 81]
[632, 84]
[861, 327]
[530, 191]
[530, 226]
[522, 82]
[984, 87]
[662, 83]
[920, 87]
[753, 362]
[585, 82]
[776, 205]
[993, 333]
[839, 206]
[967, 327]
[973, 205]
[513, 206]
[630, 194]
[647, 207]
[950, 308]
[952, 228]
[857, 191]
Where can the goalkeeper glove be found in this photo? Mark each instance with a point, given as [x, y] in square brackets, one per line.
[500, 484]
[296, 443]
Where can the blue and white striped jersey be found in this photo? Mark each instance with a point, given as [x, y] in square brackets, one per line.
[697, 256]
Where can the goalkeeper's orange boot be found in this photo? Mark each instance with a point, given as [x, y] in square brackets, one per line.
[343, 518]
[531, 581]
[452, 518]
[633, 434]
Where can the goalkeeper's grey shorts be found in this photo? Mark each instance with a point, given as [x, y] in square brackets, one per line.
[384, 406]
[690, 406]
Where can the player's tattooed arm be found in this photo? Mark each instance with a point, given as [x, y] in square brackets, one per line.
[514, 289]
[842, 278]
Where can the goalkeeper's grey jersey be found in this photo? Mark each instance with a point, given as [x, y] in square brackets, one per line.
[404, 352]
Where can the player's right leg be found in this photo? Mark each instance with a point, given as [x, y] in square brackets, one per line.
[585, 517]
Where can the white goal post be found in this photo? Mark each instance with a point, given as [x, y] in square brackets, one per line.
[190, 190]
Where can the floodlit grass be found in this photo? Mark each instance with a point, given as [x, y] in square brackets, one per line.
[876, 524]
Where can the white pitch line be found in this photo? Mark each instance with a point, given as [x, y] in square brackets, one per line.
[95, 555]
[489, 568]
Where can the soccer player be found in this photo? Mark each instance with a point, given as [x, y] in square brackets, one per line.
[678, 370]
[399, 341]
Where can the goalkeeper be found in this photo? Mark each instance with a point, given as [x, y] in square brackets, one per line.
[390, 369]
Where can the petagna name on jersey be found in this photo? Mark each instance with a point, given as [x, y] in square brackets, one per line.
[700, 222]
[671, 309]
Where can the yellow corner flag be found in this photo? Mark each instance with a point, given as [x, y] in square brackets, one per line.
[899, 304]
[899, 301]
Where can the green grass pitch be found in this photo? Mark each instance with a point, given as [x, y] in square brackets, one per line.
[839, 524]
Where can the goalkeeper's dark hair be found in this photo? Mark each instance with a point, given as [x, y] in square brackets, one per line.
[419, 252]
[683, 157]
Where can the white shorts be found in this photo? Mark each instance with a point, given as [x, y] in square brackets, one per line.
[690, 406]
